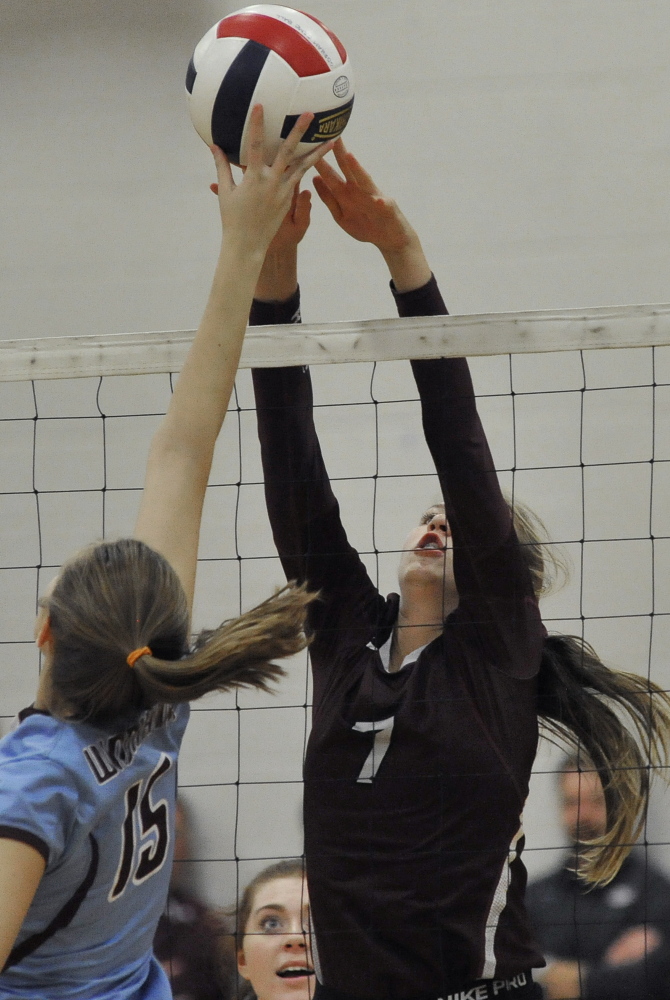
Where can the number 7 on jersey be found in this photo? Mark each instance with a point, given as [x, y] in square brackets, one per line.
[383, 730]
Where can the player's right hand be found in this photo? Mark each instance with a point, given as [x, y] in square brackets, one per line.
[253, 210]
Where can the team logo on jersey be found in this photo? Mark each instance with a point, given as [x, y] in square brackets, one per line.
[108, 757]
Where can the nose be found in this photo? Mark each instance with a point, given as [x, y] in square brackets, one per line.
[296, 941]
[438, 524]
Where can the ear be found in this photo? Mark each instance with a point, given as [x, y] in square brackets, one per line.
[44, 633]
[242, 964]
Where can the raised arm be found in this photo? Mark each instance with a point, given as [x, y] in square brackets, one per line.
[181, 452]
[177, 473]
[302, 508]
[491, 577]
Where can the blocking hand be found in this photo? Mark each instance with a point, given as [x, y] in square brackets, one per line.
[359, 207]
[255, 208]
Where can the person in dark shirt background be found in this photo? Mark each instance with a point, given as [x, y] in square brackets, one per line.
[611, 942]
[425, 715]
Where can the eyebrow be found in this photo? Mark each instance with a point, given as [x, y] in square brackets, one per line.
[271, 906]
[437, 508]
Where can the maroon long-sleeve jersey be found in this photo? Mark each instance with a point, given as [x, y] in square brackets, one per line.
[415, 781]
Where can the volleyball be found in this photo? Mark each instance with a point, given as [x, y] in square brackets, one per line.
[268, 54]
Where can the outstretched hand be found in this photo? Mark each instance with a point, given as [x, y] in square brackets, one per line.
[359, 207]
[295, 223]
[254, 209]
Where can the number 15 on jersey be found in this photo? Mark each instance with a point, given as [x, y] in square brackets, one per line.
[145, 833]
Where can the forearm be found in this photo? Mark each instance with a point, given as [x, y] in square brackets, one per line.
[303, 511]
[278, 279]
[202, 393]
[451, 423]
[181, 451]
[488, 563]
[179, 464]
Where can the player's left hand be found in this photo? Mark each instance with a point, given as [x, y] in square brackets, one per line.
[359, 207]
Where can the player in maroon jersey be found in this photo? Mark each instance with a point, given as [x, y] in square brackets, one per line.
[426, 703]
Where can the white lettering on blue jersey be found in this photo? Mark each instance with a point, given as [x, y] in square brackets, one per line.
[109, 756]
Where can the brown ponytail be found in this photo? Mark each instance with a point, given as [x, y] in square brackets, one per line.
[237, 654]
[117, 597]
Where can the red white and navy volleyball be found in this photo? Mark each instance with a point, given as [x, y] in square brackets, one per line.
[268, 54]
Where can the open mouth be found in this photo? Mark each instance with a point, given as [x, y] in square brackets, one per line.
[295, 972]
[430, 543]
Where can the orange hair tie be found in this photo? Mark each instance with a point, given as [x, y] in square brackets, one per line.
[132, 658]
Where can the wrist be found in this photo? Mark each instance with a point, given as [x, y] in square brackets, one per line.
[278, 279]
[408, 267]
[249, 254]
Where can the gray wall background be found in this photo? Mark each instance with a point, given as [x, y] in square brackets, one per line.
[529, 142]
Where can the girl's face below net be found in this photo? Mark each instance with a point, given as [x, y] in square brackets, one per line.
[276, 955]
[427, 552]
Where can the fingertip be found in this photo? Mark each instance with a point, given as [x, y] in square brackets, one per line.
[322, 152]
[220, 158]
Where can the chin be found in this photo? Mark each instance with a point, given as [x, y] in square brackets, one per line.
[294, 989]
[437, 575]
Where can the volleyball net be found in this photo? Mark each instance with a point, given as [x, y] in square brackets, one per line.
[576, 405]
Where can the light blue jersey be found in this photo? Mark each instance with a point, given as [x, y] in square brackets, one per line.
[100, 810]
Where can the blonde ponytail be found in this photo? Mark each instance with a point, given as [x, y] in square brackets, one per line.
[582, 702]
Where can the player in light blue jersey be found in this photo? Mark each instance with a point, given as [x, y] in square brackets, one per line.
[88, 778]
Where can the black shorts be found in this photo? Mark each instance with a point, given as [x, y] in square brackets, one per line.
[520, 987]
